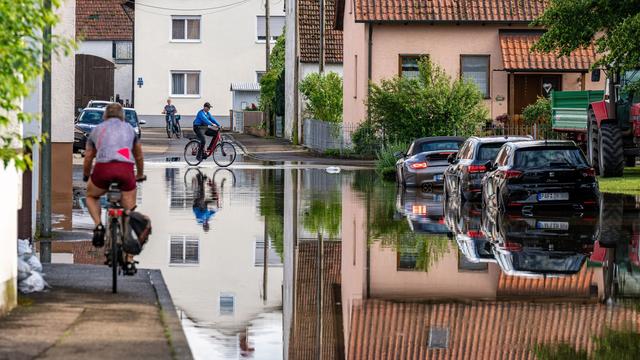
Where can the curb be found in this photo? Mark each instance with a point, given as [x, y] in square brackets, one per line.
[178, 340]
[241, 145]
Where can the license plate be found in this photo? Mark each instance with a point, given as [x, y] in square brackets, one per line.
[552, 225]
[438, 178]
[553, 196]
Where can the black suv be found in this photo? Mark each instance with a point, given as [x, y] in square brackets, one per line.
[464, 175]
[540, 174]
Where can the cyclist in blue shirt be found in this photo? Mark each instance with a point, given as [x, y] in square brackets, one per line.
[201, 127]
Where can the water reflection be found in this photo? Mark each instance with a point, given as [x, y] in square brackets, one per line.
[302, 264]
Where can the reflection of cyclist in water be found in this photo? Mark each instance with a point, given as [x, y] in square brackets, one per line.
[201, 208]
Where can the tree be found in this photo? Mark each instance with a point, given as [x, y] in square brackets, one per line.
[431, 104]
[272, 82]
[612, 25]
[323, 93]
[23, 24]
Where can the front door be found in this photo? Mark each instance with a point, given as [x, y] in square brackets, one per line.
[94, 79]
[527, 89]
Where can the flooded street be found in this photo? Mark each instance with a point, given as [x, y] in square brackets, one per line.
[400, 273]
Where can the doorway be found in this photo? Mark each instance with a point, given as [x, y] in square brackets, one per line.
[527, 89]
[94, 79]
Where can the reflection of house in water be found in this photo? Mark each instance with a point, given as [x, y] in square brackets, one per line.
[395, 309]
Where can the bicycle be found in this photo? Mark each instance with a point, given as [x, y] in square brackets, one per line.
[117, 257]
[175, 129]
[223, 151]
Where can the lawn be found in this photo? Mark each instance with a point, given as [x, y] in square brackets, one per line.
[629, 183]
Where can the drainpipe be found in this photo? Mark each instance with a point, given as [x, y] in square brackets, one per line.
[369, 71]
[45, 172]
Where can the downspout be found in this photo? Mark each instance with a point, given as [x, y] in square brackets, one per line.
[369, 66]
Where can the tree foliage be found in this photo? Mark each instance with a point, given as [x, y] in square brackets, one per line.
[323, 94]
[574, 24]
[272, 82]
[21, 47]
[430, 105]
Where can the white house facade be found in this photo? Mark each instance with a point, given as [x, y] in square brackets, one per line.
[191, 51]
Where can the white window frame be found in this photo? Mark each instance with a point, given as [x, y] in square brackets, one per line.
[227, 295]
[185, 96]
[184, 239]
[185, 18]
[273, 41]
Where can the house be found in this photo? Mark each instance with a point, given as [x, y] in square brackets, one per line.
[303, 52]
[191, 52]
[485, 41]
[104, 59]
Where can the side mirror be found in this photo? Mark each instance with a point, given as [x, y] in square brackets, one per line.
[595, 75]
[488, 166]
[142, 122]
[398, 155]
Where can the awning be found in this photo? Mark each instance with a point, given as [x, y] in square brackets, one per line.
[518, 56]
[252, 87]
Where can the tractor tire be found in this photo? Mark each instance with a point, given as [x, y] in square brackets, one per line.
[630, 161]
[610, 151]
[611, 213]
[592, 141]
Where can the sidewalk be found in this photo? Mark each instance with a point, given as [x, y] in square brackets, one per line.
[79, 318]
[273, 149]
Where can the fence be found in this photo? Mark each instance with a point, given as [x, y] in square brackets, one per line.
[322, 136]
[538, 132]
[238, 121]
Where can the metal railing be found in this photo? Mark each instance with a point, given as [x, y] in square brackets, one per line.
[322, 136]
[536, 131]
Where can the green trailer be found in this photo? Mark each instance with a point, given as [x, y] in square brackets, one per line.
[569, 109]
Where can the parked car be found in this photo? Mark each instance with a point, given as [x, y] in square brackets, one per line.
[89, 118]
[424, 211]
[425, 161]
[98, 104]
[464, 175]
[549, 245]
[540, 174]
[464, 220]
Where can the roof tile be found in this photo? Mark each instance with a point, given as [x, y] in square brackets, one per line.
[517, 54]
[309, 30]
[102, 20]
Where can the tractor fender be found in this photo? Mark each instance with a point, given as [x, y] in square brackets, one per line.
[600, 111]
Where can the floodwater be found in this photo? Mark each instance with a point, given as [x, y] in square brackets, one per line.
[260, 260]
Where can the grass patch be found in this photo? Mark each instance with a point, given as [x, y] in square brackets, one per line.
[167, 333]
[629, 183]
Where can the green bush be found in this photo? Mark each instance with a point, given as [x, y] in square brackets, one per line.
[323, 94]
[538, 112]
[386, 162]
[272, 82]
[365, 139]
[430, 105]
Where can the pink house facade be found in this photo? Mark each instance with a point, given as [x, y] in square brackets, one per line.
[485, 41]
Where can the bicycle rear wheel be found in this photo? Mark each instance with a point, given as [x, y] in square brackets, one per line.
[169, 130]
[114, 233]
[178, 130]
[224, 154]
[191, 153]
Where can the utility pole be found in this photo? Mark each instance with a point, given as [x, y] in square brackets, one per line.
[45, 173]
[319, 294]
[321, 60]
[267, 49]
[265, 269]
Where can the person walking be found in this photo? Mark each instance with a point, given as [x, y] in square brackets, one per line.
[170, 112]
[201, 127]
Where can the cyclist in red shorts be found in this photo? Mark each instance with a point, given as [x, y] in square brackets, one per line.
[116, 149]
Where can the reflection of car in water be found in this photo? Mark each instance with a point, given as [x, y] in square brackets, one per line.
[464, 221]
[423, 210]
[543, 245]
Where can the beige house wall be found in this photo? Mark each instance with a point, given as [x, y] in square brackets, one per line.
[444, 44]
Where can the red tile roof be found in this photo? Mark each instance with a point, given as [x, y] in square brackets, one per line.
[517, 55]
[574, 286]
[485, 11]
[303, 344]
[478, 330]
[309, 32]
[102, 20]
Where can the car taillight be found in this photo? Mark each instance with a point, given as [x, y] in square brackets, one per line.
[514, 247]
[477, 169]
[512, 174]
[590, 172]
[419, 165]
[419, 210]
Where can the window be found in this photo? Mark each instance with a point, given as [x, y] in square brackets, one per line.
[276, 25]
[259, 75]
[501, 158]
[409, 65]
[122, 51]
[438, 337]
[476, 69]
[227, 303]
[185, 28]
[184, 250]
[273, 259]
[185, 83]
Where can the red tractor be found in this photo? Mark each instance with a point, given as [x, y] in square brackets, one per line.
[613, 128]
